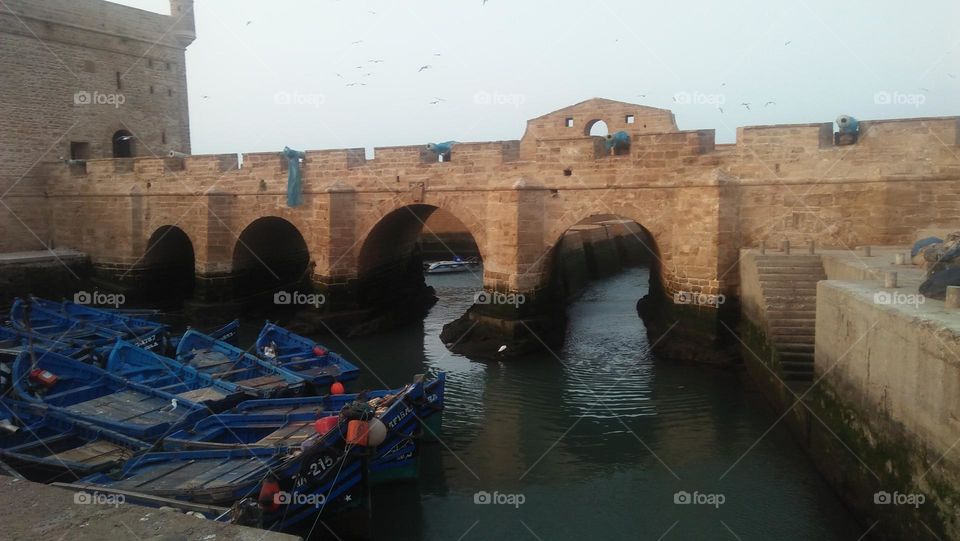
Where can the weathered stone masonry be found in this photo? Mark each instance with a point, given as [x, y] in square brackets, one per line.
[700, 201]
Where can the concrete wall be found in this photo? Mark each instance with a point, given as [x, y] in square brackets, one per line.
[891, 378]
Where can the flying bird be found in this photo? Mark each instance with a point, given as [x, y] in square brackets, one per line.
[720, 109]
[204, 97]
[248, 23]
[358, 42]
[952, 76]
[426, 67]
[124, 138]
[769, 103]
[747, 105]
[787, 43]
[437, 54]
[352, 84]
[338, 75]
[377, 61]
[502, 349]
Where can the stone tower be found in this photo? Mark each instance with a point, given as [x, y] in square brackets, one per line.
[84, 80]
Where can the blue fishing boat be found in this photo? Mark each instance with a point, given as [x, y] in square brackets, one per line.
[310, 360]
[227, 362]
[95, 396]
[393, 458]
[164, 374]
[216, 477]
[13, 341]
[36, 320]
[227, 431]
[47, 446]
[369, 442]
[429, 410]
[141, 332]
[227, 333]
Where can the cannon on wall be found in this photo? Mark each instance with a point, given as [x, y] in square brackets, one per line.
[848, 130]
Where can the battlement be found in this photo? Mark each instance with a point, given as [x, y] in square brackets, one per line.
[111, 26]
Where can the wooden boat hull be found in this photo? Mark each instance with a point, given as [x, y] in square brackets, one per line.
[226, 362]
[298, 354]
[50, 447]
[95, 396]
[214, 477]
[148, 368]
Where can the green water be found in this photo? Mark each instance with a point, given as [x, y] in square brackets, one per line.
[596, 439]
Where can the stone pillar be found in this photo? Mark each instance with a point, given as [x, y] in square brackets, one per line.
[334, 247]
[215, 277]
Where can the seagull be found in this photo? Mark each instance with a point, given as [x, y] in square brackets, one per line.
[434, 102]
[502, 349]
[437, 54]
[371, 12]
[248, 23]
[769, 103]
[171, 407]
[338, 75]
[641, 95]
[204, 97]
[377, 61]
[787, 43]
[428, 66]
[723, 84]
[952, 76]
[747, 105]
[720, 109]
[124, 138]
[358, 42]
[352, 84]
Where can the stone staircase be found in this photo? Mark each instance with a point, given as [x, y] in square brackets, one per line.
[789, 286]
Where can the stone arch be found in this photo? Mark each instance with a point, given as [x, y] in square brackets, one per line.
[418, 213]
[269, 254]
[389, 264]
[169, 262]
[596, 128]
[630, 240]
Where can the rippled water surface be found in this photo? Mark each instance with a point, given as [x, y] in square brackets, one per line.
[597, 439]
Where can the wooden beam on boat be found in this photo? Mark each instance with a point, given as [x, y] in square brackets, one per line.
[213, 510]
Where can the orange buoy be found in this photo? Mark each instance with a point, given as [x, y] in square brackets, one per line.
[325, 424]
[269, 490]
[357, 432]
[319, 351]
[337, 388]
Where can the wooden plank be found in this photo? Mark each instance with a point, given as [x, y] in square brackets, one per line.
[97, 452]
[295, 432]
[202, 395]
[263, 381]
[159, 500]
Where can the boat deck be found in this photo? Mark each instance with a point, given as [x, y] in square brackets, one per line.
[129, 407]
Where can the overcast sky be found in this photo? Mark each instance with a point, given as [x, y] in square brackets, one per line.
[263, 75]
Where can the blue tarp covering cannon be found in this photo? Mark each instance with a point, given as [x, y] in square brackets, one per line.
[617, 142]
[849, 130]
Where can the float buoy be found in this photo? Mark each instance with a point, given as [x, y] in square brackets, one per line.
[268, 495]
[319, 351]
[337, 388]
[325, 424]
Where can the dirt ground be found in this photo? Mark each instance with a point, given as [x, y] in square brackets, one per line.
[35, 512]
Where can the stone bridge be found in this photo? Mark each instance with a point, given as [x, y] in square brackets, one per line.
[699, 202]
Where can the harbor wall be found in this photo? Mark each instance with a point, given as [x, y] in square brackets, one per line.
[879, 419]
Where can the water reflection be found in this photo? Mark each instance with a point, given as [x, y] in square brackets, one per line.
[597, 439]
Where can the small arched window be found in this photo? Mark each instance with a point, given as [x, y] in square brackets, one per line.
[597, 128]
[123, 144]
